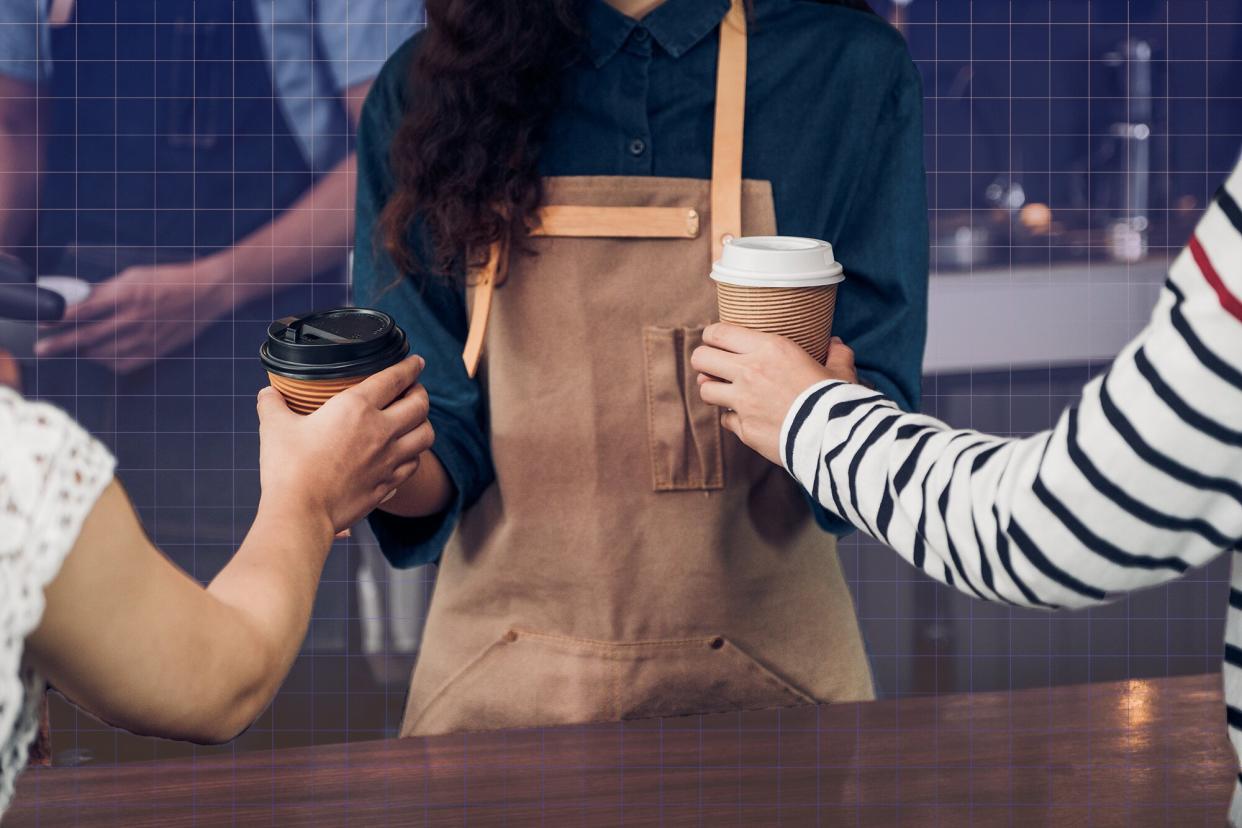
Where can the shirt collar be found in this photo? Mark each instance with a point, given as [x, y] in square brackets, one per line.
[677, 25]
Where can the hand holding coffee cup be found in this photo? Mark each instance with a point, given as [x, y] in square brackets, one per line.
[756, 377]
[781, 285]
[312, 358]
[350, 454]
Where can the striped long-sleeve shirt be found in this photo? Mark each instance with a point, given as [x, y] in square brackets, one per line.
[1138, 482]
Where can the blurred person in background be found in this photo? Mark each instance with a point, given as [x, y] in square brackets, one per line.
[198, 169]
[197, 166]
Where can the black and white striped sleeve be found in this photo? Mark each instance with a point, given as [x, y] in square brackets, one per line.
[1138, 481]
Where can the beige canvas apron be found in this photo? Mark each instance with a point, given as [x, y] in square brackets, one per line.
[632, 559]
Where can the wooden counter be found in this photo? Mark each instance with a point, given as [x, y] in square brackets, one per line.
[1130, 753]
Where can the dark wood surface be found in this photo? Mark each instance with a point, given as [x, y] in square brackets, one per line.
[1130, 753]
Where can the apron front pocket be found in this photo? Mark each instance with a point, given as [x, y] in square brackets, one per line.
[532, 679]
[700, 676]
[684, 432]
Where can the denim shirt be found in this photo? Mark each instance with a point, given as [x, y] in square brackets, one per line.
[833, 121]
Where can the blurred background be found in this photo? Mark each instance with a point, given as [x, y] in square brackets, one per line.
[1070, 146]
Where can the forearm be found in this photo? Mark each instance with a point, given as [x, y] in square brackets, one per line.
[941, 497]
[269, 588]
[1066, 517]
[429, 492]
[21, 141]
[314, 234]
[19, 188]
[137, 642]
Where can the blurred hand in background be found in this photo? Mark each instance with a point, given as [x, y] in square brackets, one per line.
[140, 315]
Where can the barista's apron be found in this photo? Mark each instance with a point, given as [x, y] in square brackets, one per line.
[632, 559]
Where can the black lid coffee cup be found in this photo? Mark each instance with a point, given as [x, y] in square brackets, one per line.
[333, 344]
[313, 357]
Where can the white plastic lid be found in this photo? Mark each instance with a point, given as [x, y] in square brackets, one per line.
[73, 289]
[777, 261]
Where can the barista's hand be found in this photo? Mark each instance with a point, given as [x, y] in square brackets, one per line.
[757, 376]
[139, 315]
[336, 465]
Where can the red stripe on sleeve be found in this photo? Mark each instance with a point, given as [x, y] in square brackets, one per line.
[1228, 301]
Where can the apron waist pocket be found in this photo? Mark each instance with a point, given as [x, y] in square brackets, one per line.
[532, 679]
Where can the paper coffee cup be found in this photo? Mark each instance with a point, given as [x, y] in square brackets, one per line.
[782, 285]
[312, 358]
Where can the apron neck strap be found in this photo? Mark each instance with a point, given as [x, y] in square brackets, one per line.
[726, 206]
[726, 194]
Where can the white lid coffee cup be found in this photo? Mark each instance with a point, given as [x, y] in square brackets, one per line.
[72, 289]
[777, 262]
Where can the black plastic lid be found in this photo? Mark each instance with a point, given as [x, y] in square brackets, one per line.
[343, 342]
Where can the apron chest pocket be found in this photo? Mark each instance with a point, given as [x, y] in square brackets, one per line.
[684, 433]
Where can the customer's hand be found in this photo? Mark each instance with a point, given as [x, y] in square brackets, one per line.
[140, 315]
[339, 463]
[757, 377]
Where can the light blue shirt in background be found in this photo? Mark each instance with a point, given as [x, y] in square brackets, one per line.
[24, 42]
[320, 48]
[316, 50]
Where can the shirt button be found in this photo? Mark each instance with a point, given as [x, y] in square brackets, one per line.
[638, 146]
[640, 35]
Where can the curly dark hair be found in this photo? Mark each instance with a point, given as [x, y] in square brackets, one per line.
[465, 158]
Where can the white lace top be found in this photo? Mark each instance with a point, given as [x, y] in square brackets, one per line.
[51, 474]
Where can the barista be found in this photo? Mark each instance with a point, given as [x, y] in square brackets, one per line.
[606, 550]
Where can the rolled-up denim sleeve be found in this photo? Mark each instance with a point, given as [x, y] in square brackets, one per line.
[886, 288]
[433, 315]
[24, 40]
[357, 36]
